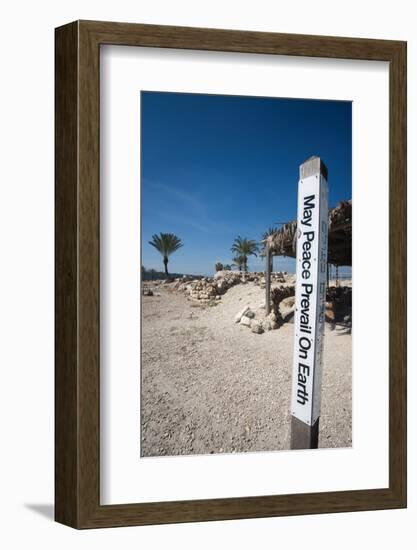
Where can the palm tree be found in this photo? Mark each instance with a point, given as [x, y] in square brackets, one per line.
[243, 248]
[166, 244]
[238, 262]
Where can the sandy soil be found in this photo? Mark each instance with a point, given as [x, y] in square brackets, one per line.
[212, 386]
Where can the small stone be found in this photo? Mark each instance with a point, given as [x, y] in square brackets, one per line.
[241, 313]
[287, 308]
[250, 314]
[147, 292]
[267, 324]
[246, 321]
[257, 328]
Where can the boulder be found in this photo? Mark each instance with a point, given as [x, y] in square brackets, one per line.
[266, 324]
[241, 313]
[330, 314]
[269, 324]
[147, 292]
[246, 321]
[287, 308]
[211, 291]
[222, 285]
[256, 327]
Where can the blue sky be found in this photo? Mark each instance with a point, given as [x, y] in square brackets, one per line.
[215, 167]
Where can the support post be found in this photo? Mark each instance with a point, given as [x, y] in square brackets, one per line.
[310, 296]
[268, 281]
[304, 436]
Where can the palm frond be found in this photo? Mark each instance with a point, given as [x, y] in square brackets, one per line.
[166, 243]
[245, 247]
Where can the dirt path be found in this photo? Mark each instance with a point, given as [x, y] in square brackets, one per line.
[210, 386]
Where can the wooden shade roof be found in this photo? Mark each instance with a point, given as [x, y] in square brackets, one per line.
[283, 241]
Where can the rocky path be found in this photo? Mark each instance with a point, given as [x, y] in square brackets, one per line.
[211, 386]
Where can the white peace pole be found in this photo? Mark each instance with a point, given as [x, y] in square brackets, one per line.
[310, 296]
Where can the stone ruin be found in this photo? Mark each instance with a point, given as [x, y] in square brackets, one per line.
[339, 305]
[207, 289]
[283, 305]
[338, 309]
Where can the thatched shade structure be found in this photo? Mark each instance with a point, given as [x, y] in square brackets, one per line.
[283, 242]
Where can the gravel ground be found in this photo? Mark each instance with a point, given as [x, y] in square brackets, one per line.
[212, 386]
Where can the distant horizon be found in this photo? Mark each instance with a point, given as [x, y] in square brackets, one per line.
[215, 167]
[345, 272]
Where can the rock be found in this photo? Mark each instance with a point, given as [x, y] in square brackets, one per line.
[147, 292]
[279, 294]
[246, 321]
[211, 291]
[222, 285]
[269, 324]
[272, 316]
[241, 313]
[256, 327]
[250, 314]
[266, 324]
[330, 315]
[287, 308]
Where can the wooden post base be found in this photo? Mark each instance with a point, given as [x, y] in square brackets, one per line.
[304, 436]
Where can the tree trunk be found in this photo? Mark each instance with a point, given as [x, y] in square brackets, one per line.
[268, 281]
[246, 264]
[166, 266]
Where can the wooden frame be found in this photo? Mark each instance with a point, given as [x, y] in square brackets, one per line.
[77, 404]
